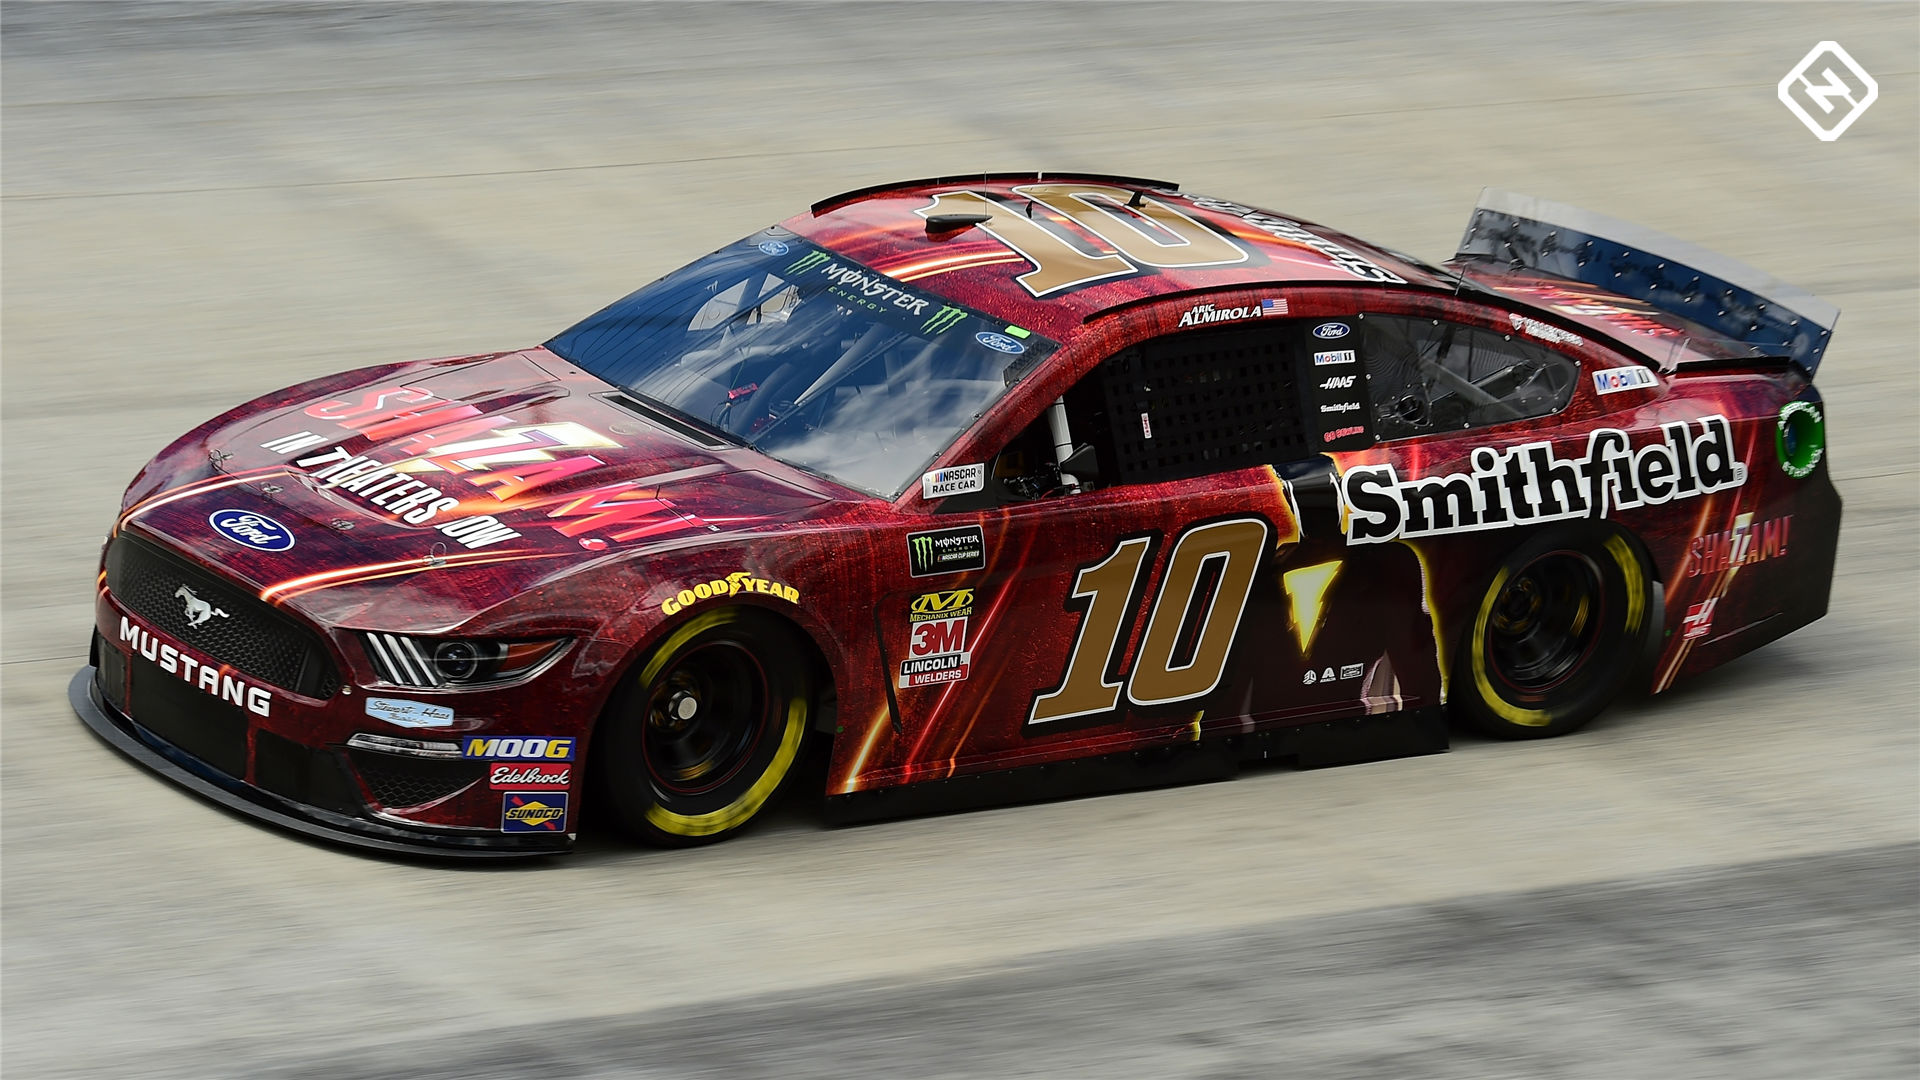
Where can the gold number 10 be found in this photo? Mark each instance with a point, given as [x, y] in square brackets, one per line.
[1084, 689]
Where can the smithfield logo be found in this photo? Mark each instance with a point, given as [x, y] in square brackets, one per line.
[198, 610]
[1328, 331]
[999, 343]
[251, 530]
[1528, 484]
[1829, 92]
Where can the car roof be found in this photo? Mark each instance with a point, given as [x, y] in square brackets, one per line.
[973, 260]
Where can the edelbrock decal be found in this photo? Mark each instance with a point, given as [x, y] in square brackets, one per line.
[1528, 484]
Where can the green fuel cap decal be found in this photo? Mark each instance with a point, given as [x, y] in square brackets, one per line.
[1800, 438]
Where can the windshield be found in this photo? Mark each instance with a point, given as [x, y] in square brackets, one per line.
[807, 357]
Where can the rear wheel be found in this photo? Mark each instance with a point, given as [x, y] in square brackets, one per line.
[1555, 635]
[704, 732]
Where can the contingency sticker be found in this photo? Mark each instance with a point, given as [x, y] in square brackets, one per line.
[956, 480]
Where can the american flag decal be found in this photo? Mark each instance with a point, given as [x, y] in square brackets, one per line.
[1273, 307]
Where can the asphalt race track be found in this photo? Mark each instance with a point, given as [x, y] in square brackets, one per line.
[202, 203]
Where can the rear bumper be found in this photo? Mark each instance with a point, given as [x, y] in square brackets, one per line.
[158, 756]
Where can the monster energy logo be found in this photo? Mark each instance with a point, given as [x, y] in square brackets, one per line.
[943, 320]
[807, 262]
[946, 551]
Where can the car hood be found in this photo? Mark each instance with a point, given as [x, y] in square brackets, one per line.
[417, 496]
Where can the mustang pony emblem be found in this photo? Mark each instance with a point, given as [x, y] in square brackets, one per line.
[198, 610]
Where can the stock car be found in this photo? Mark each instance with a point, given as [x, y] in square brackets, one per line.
[1007, 486]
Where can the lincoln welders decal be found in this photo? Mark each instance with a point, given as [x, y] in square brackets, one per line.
[1528, 484]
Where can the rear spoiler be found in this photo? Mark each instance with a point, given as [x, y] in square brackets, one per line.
[1727, 297]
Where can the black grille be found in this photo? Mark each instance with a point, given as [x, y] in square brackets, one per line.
[303, 774]
[398, 781]
[251, 636]
[1202, 402]
[112, 674]
[199, 724]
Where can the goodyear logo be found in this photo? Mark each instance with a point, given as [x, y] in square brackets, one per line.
[533, 811]
[518, 748]
[732, 585]
[952, 604]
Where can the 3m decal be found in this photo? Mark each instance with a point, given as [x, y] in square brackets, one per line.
[1614, 380]
[1205, 587]
[1529, 484]
[412, 714]
[518, 747]
[1125, 231]
[957, 480]
[533, 811]
[209, 678]
[937, 649]
[946, 551]
[1756, 541]
[732, 585]
[256, 532]
[502, 776]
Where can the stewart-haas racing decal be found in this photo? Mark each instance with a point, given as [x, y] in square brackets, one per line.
[1528, 484]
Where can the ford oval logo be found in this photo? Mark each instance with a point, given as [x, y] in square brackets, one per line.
[999, 342]
[251, 530]
[773, 247]
[1327, 331]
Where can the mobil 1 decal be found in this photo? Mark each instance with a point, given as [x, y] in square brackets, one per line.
[1533, 483]
[1191, 619]
[1336, 387]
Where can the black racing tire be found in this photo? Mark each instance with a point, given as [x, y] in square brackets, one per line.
[705, 730]
[1555, 635]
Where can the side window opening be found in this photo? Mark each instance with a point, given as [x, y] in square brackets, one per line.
[1172, 408]
[1429, 375]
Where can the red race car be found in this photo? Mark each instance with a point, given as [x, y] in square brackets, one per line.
[1010, 486]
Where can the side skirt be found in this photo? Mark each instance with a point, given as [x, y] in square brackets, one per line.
[1307, 746]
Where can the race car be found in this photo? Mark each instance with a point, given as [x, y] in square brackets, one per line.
[1004, 486]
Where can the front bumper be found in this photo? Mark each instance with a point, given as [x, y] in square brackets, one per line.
[123, 734]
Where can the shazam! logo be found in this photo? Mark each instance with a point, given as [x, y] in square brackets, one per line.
[1816, 91]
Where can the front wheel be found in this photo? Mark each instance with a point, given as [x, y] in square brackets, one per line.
[704, 731]
[1555, 635]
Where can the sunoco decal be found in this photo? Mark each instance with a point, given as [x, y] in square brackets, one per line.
[1528, 484]
[533, 811]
